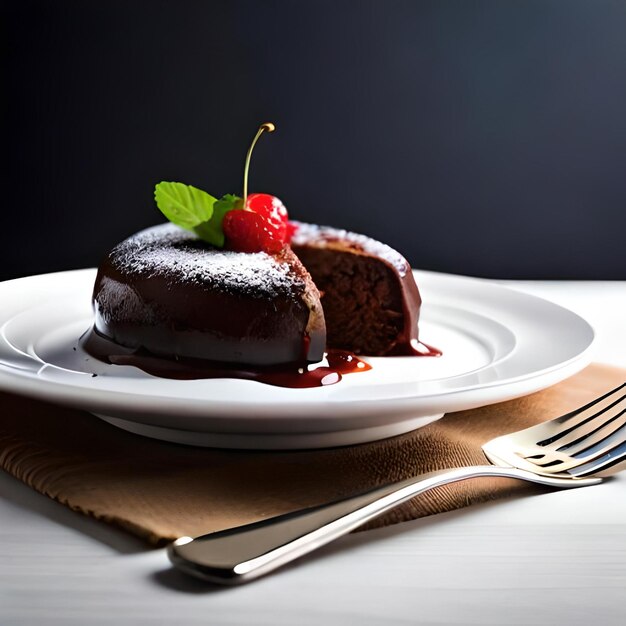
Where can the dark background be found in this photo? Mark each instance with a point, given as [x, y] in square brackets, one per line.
[485, 138]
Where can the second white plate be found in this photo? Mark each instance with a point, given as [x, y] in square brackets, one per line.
[497, 344]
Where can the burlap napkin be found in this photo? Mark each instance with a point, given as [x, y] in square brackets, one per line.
[160, 491]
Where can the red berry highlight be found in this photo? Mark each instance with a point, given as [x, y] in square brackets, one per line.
[268, 206]
[247, 230]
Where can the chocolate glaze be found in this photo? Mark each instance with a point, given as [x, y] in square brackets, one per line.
[164, 291]
[369, 295]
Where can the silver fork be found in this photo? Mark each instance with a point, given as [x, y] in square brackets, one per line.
[574, 450]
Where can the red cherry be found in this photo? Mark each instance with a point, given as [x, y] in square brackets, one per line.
[247, 231]
[268, 206]
[274, 210]
[262, 226]
[262, 223]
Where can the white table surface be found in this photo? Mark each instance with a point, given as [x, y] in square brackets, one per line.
[556, 558]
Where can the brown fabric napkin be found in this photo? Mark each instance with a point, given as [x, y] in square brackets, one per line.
[160, 491]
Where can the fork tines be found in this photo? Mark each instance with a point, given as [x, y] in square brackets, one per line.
[594, 436]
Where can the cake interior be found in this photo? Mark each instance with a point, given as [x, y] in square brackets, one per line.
[361, 298]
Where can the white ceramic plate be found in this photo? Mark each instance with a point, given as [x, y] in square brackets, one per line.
[497, 344]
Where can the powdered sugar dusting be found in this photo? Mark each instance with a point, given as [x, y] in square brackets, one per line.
[178, 255]
[323, 236]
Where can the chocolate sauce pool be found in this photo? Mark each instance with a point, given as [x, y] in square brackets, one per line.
[339, 362]
[294, 376]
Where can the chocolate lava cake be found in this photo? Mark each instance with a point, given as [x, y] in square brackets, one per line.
[165, 292]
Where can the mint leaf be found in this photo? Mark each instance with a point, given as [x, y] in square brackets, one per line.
[184, 205]
[211, 230]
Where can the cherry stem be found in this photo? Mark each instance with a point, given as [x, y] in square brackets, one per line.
[270, 128]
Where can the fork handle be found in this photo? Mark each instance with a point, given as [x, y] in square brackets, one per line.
[243, 553]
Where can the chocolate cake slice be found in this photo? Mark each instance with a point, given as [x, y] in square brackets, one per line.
[370, 300]
[166, 292]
